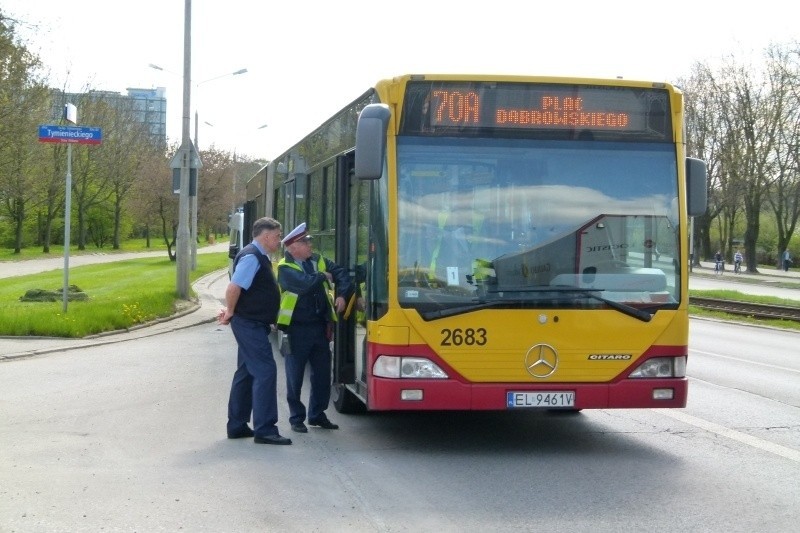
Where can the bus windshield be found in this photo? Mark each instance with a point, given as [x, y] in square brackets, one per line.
[515, 222]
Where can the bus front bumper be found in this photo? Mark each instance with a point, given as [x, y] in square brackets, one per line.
[424, 395]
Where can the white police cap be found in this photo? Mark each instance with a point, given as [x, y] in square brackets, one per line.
[297, 234]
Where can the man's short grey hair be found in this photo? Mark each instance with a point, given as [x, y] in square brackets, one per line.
[265, 224]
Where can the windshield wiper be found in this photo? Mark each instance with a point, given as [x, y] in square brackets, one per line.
[629, 310]
[639, 314]
[453, 311]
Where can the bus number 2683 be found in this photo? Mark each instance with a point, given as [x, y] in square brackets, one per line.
[461, 337]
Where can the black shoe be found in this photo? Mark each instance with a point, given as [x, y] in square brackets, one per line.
[299, 427]
[272, 439]
[324, 423]
[241, 434]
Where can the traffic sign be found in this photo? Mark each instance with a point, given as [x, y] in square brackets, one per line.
[194, 157]
[49, 133]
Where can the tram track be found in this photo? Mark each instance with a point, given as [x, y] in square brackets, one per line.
[754, 310]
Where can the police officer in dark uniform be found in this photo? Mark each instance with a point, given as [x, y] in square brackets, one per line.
[252, 302]
[308, 311]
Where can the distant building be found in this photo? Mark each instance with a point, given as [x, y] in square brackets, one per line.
[147, 106]
[151, 108]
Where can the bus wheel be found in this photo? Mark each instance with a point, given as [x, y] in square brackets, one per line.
[345, 401]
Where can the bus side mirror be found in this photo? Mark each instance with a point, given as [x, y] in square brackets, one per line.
[371, 141]
[696, 187]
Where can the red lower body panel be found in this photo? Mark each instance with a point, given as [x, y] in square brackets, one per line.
[446, 394]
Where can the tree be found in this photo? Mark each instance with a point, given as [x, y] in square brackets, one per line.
[128, 145]
[91, 179]
[783, 66]
[749, 115]
[152, 201]
[744, 121]
[704, 141]
[215, 189]
[50, 181]
[760, 121]
[22, 102]
[51, 190]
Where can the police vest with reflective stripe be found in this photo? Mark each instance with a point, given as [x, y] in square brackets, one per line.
[289, 299]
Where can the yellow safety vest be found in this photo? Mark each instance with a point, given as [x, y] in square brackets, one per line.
[289, 299]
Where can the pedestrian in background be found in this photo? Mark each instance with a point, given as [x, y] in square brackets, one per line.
[737, 262]
[308, 313]
[787, 260]
[252, 301]
[719, 263]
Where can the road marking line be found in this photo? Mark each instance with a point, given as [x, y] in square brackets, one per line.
[782, 368]
[761, 444]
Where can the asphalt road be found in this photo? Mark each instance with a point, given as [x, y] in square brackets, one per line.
[131, 437]
[127, 433]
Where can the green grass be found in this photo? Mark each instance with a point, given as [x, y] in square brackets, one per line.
[741, 297]
[121, 294]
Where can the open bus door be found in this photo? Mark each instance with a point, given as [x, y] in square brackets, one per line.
[351, 249]
[356, 172]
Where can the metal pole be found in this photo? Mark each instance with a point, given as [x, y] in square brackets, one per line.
[691, 244]
[183, 203]
[193, 207]
[67, 222]
[233, 210]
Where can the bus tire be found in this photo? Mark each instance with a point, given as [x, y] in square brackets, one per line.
[344, 401]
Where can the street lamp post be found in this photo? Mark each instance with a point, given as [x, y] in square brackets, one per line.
[182, 250]
[233, 211]
[235, 174]
[235, 170]
[197, 146]
[193, 203]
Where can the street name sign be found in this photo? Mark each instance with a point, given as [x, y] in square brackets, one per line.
[70, 134]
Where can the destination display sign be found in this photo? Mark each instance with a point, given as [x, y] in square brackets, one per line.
[446, 107]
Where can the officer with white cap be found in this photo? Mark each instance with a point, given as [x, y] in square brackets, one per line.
[297, 234]
[307, 312]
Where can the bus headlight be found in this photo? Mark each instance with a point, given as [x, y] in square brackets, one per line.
[661, 367]
[407, 367]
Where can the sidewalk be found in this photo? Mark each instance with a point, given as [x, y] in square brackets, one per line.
[765, 274]
[10, 269]
[210, 290]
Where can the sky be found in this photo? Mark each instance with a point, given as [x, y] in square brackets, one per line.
[306, 59]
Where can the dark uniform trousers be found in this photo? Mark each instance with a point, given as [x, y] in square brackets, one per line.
[308, 343]
[255, 380]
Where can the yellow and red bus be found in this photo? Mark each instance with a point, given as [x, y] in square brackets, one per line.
[518, 242]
